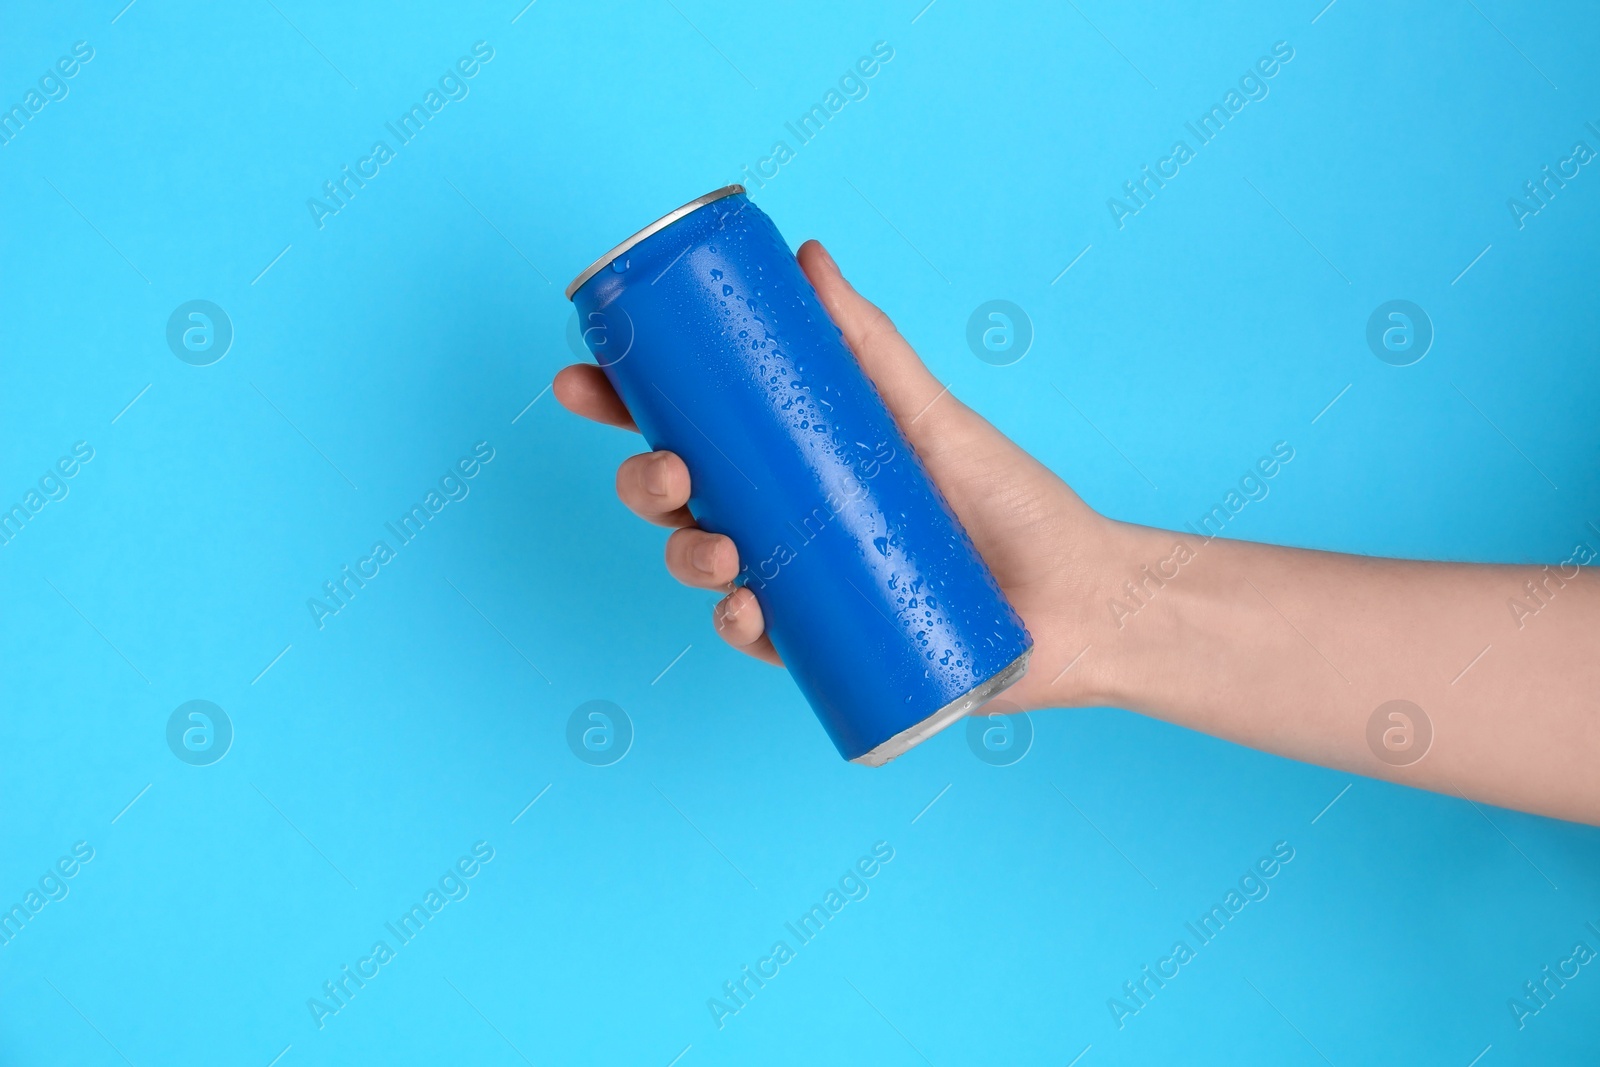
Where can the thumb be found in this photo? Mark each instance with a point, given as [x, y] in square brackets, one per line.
[913, 395]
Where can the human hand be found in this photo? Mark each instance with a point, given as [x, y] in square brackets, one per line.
[1211, 651]
[1047, 549]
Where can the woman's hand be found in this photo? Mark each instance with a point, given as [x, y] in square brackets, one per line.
[1291, 651]
[1044, 545]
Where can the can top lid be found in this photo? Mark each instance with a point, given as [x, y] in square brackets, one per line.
[655, 227]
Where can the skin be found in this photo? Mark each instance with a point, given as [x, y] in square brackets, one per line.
[1286, 650]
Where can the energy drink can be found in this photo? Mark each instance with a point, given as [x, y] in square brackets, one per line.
[873, 594]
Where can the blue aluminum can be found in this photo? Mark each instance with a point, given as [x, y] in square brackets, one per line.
[873, 594]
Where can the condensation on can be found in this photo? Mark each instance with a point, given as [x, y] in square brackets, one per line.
[872, 592]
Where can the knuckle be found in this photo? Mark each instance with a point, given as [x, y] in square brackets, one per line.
[877, 327]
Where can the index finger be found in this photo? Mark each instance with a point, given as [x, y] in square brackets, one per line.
[583, 390]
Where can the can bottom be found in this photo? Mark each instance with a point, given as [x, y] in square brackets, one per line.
[948, 715]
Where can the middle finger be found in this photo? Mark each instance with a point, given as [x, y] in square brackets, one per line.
[655, 487]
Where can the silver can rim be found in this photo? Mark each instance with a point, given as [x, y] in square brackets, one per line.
[949, 715]
[655, 227]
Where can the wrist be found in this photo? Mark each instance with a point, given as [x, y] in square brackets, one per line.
[1125, 597]
[1136, 605]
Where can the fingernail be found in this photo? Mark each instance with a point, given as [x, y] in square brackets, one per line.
[826, 255]
[655, 476]
[704, 557]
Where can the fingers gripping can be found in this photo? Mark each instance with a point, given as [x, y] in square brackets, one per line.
[872, 592]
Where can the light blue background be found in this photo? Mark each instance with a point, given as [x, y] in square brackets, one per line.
[424, 318]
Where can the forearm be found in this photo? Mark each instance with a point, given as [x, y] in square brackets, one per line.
[1292, 651]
